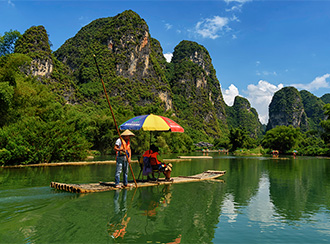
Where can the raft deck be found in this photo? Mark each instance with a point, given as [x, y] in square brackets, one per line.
[109, 186]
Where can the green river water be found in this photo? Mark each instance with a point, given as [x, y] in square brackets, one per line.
[260, 200]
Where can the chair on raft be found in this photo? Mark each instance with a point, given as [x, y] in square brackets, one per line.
[146, 169]
[155, 171]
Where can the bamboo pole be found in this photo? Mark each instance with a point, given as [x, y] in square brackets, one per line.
[114, 119]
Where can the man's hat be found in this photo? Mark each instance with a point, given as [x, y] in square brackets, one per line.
[127, 133]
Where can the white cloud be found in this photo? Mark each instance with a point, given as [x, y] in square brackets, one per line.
[318, 83]
[210, 28]
[265, 72]
[260, 96]
[11, 3]
[234, 8]
[230, 94]
[234, 18]
[237, 4]
[168, 57]
[168, 26]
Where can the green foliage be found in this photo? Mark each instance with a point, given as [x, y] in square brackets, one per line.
[6, 97]
[326, 124]
[7, 42]
[33, 140]
[250, 152]
[185, 49]
[311, 144]
[286, 108]
[239, 138]
[11, 67]
[34, 42]
[222, 142]
[313, 107]
[242, 115]
[196, 91]
[282, 138]
[101, 132]
[115, 41]
[326, 98]
[36, 127]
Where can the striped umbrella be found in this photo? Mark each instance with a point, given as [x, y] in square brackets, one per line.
[151, 122]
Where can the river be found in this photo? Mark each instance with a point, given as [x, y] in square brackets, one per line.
[260, 200]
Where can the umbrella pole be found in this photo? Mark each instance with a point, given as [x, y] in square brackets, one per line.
[114, 119]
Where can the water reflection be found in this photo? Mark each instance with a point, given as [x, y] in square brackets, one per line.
[261, 208]
[262, 200]
[229, 209]
[140, 218]
[118, 224]
[155, 199]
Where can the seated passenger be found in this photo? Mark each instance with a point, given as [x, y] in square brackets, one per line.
[145, 160]
[157, 163]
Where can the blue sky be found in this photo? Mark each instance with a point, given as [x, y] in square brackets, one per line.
[257, 47]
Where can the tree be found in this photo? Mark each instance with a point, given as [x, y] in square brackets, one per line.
[311, 144]
[326, 124]
[7, 42]
[6, 97]
[239, 138]
[281, 138]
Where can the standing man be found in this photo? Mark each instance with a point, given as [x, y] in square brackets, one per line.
[123, 147]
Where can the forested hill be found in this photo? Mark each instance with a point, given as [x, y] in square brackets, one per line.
[241, 115]
[299, 109]
[326, 98]
[131, 63]
[196, 90]
[140, 80]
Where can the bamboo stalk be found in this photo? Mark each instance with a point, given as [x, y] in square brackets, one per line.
[114, 119]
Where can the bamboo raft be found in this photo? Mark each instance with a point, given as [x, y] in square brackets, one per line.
[109, 186]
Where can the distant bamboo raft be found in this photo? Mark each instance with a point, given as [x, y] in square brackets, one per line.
[194, 157]
[109, 186]
[87, 163]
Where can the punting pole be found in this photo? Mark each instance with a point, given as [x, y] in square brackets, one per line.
[114, 119]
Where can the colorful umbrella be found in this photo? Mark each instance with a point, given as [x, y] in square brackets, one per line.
[151, 122]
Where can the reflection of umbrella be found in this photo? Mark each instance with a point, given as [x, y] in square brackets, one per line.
[151, 122]
[295, 151]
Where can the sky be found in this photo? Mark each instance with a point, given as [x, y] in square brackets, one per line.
[257, 47]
